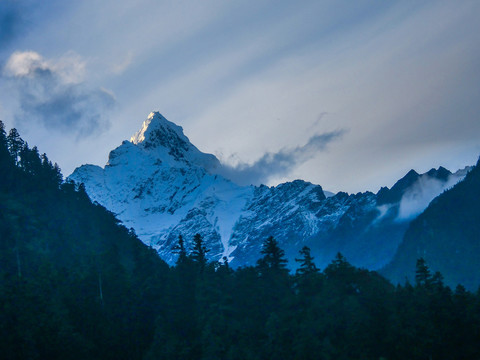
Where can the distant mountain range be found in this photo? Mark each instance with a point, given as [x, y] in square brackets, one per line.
[161, 185]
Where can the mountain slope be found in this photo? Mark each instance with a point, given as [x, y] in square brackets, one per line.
[73, 282]
[162, 186]
[446, 235]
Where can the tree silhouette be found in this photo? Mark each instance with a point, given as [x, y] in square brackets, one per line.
[273, 257]
[307, 266]
[15, 144]
[180, 249]
[199, 252]
[423, 277]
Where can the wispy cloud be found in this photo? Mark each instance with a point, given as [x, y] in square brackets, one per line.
[121, 66]
[278, 164]
[417, 199]
[55, 94]
[401, 76]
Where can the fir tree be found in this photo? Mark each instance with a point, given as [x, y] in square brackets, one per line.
[273, 257]
[3, 142]
[307, 266]
[15, 144]
[5, 158]
[180, 249]
[199, 252]
[423, 277]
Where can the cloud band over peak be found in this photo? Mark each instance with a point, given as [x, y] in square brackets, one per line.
[281, 163]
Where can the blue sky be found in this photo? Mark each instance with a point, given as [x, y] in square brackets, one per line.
[348, 95]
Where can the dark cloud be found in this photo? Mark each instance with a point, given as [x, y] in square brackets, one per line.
[52, 96]
[70, 108]
[273, 165]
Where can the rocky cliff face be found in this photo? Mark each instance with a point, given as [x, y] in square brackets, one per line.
[161, 185]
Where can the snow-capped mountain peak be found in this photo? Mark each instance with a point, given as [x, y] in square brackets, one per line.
[160, 184]
[156, 130]
[165, 140]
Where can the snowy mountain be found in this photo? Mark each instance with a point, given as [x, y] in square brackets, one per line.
[161, 185]
[446, 235]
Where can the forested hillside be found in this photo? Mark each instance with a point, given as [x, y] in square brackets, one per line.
[447, 235]
[76, 284]
[73, 282]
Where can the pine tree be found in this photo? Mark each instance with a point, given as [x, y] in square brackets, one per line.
[308, 280]
[5, 158]
[51, 174]
[30, 160]
[273, 257]
[180, 249]
[307, 266]
[423, 277]
[3, 133]
[339, 268]
[3, 142]
[199, 252]
[15, 144]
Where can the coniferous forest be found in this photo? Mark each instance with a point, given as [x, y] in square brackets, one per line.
[76, 284]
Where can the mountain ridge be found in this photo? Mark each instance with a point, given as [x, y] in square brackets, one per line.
[446, 235]
[161, 185]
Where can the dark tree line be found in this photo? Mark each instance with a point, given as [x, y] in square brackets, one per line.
[76, 284]
[342, 312]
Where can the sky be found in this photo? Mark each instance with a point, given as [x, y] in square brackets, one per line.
[350, 95]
